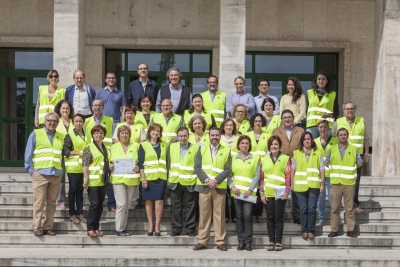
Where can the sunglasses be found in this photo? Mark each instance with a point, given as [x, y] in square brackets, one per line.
[53, 76]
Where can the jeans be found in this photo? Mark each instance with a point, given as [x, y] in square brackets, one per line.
[275, 210]
[295, 208]
[75, 193]
[61, 199]
[111, 199]
[308, 205]
[321, 199]
[244, 221]
[357, 186]
[259, 206]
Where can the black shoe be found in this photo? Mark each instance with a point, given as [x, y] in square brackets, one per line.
[248, 248]
[175, 234]
[351, 234]
[157, 233]
[234, 220]
[191, 234]
[297, 221]
[333, 234]
[240, 247]
[227, 220]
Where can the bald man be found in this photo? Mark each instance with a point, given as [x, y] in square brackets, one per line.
[169, 121]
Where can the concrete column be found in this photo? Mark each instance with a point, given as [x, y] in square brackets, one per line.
[69, 38]
[232, 43]
[386, 110]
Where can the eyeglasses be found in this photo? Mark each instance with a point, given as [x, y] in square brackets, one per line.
[239, 111]
[53, 76]
[52, 121]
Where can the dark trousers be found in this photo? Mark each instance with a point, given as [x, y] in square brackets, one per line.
[357, 186]
[275, 210]
[244, 221]
[96, 195]
[295, 207]
[232, 214]
[179, 196]
[308, 206]
[259, 206]
[75, 193]
[110, 195]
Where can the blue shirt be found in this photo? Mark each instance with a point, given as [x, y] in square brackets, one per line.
[244, 98]
[113, 101]
[259, 100]
[184, 149]
[30, 147]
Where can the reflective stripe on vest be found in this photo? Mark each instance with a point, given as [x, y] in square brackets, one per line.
[261, 147]
[73, 164]
[343, 171]
[45, 105]
[46, 154]
[273, 124]
[136, 132]
[117, 152]
[316, 108]
[274, 174]
[216, 108]
[106, 122]
[356, 133]
[182, 170]
[332, 142]
[243, 173]
[307, 172]
[155, 168]
[97, 166]
[170, 130]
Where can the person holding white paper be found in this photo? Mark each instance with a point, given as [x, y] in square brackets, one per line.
[243, 184]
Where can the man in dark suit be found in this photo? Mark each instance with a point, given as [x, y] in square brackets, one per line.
[142, 86]
[290, 135]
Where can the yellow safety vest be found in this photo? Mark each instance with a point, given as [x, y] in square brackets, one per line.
[273, 124]
[182, 170]
[234, 150]
[261, 147]
[73, 164]
[332, 142]
[307, 172]
[356, 133]
[244, 127]
[136, 132]
[206, 116]
[106, 122]
[155, 168]
[343, 171]
[170, 130]
[45, 105]
[61, 127]
[117, 152]
[316, 108]
[205, 139]
[243, 174]
[139, 119]
[97, 166]
[46, 154]
[216, 108]
[214, 168]
[274, 174]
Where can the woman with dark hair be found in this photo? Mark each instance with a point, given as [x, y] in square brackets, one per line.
[48, 96]
[96, 170]
[74, 144]
[239, 113]
[197, 108]
[145, 113]
[322, 103]
[152, 164]
[272, 121]
[308, 178]
[198, 135]
[294, 100]
[136, 130]
[276, 169]
[244, 181]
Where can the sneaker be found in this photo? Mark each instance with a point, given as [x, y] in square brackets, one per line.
[61, 207]
[74, 219]
[81, 218]
[333, 234]
[320, 223]
[351, 234]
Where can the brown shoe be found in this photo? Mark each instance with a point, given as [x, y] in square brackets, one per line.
[49, 232]
[259, 219]
[311, 236]
[74, 219]
[81, 218]
[254, 219]
[304, 236]
[320, 223]
[38, 232]
[98, 233]
[222, 247]
[91, 233]
[199, 246]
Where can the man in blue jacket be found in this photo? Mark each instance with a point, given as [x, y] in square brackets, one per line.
[142, 86]
[81, 95]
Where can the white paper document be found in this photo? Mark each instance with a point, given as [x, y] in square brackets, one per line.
[124, 166]
[252, 199]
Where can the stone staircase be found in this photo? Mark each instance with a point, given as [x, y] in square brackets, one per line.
[378, 227]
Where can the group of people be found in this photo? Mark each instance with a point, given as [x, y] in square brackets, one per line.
[207, 148]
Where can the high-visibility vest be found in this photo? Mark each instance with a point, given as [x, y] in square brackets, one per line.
[244, 126]
[182, 170]
[261, 147]
[117, 152]
[214, 168]
[216, 108]
[356, 133]
[170, 130]
[139, 119]
[273, 124]
[154, 167]
[46, 154]
[61, 127]
[45, 105]
[307, 172]
[73, 164]
[97, 166]
[343, 171]
[136, 132]
[316, 108]
[106, 122]
[234, 149]
[274, 174]
[243, 174]
[205, 139]
[332, 142]
[206, 116]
